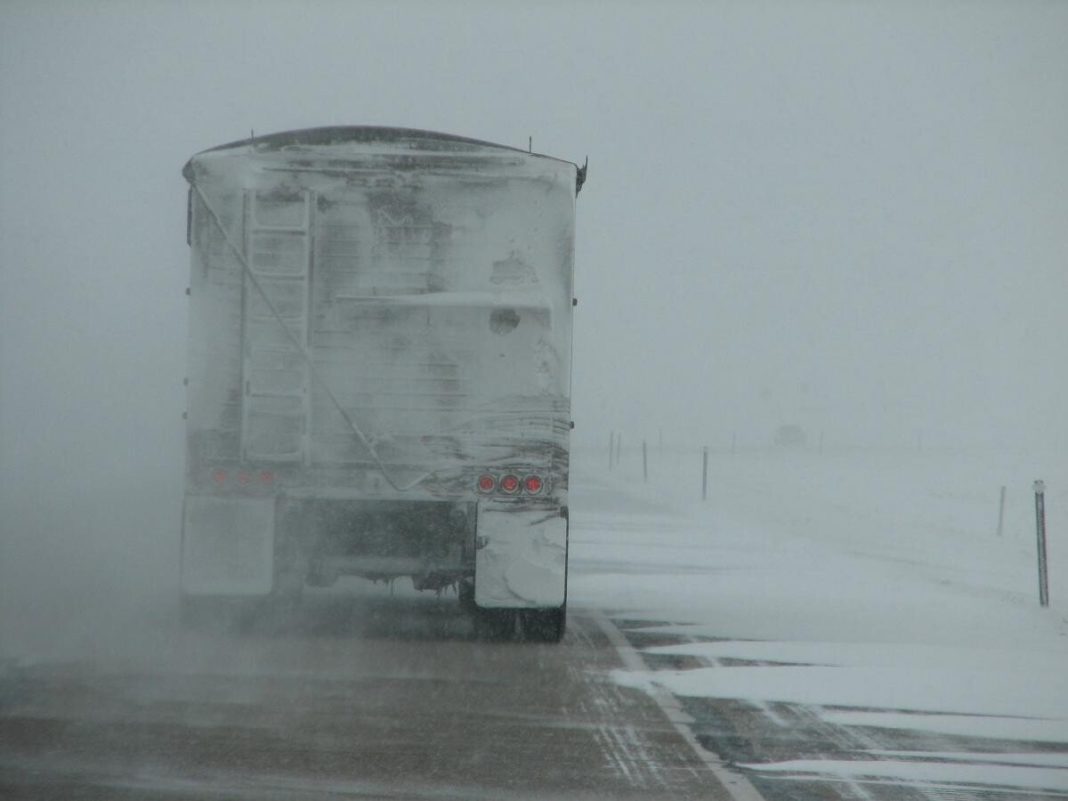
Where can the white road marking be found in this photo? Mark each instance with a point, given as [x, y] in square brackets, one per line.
[737, 786]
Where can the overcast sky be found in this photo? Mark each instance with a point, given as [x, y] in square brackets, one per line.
[850, 216]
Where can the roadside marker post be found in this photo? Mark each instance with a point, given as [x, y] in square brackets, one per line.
[1040, 526]
[704, 475]
[1001, 512]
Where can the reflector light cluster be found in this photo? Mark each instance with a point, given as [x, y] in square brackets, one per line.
[510, 484]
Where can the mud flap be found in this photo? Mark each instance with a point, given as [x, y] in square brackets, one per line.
[228, 546]
[522, 559]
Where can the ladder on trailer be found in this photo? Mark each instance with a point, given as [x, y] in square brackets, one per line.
[277, 402]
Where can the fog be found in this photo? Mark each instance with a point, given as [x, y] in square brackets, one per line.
[848, 217]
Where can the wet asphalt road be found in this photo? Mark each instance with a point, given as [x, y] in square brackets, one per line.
[359, 698]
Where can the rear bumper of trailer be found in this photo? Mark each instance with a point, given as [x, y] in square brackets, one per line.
[514, 555]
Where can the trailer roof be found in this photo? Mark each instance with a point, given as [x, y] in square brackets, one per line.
[364, 134]
[341, 134]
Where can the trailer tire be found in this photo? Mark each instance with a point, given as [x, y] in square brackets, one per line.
[288, 591]
[495, 625]
[465, 591]
[545, 625]
[211, 612]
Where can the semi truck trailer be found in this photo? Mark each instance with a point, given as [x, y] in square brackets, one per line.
[379, 377]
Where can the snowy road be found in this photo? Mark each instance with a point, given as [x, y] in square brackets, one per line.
[844, 625]
[839, 626]
[359, 698]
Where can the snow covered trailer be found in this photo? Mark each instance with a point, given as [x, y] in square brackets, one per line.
[379, 369]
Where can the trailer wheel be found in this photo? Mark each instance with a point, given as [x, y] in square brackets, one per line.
[465, 590]
[290, 572]
[545, 625]
[288, 590]
[212, 612]
[495, 625]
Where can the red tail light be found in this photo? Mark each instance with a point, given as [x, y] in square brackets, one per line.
[486, 483]
[510, 484]
[532, 484]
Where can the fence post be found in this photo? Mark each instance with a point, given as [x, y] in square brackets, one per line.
[1040, 525]
[704, 474]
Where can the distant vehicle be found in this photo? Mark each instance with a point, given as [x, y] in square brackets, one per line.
[379, 370]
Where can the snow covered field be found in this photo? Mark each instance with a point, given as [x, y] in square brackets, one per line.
[870, 587]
